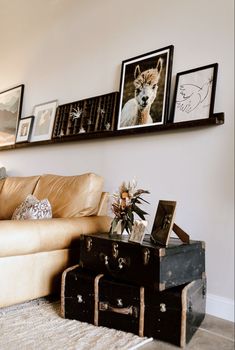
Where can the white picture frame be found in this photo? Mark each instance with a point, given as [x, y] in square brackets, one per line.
[44, 116]
[138, 231]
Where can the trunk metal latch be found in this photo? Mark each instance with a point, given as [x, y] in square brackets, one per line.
[88, 244]
[115, 250]
[146, 256]
[79, 298]
[163, 307]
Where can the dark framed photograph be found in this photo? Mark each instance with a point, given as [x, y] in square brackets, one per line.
[195, 94]
[145, 89]
[163, 222]
[94, 114]
[10, 111]
[44, 116]
[24, 129]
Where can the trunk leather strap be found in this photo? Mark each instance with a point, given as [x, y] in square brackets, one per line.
[96, 292]
[142, 307]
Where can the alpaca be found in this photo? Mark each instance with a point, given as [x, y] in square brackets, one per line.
[136, 111]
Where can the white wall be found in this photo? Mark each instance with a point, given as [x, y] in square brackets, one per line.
[73, 49]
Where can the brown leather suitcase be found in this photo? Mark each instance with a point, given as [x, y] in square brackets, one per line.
[144, 264]
[172, 315]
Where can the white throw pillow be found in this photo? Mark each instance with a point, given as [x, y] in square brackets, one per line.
[32, 208]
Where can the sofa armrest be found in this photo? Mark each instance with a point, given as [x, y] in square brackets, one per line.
[103, 204]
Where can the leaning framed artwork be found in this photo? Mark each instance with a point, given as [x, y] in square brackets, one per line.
[195, 94]
[145, 89]
[163, 222]
[24, 129]
[94, 114]
[10, 112]
[138, 231]
[44, 116]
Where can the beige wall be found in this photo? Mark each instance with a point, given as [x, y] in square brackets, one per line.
[73, 49]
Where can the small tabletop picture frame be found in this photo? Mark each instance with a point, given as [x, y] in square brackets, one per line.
[24, 129]
[44, 116]
[138, 231]
[163, 222]
[194, 94]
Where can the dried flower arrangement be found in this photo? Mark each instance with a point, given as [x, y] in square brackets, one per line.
[125, 206]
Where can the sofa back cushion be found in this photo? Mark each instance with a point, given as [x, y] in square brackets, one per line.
[13, 192]
[71, 196]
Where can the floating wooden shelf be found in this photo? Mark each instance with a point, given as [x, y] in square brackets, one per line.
[216, 119]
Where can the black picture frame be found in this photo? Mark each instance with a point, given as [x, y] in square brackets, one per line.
[163, 222]
[24, 129]
[11, 101]
[91, 115]
[194, 94]
[145, 89]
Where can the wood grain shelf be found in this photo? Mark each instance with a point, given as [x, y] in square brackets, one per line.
[216, 119]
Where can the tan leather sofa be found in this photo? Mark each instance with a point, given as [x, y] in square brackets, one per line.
[34, 253]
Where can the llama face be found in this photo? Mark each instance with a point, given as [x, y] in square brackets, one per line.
[146, 85]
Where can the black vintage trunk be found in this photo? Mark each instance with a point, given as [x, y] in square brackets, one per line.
[146, 264]
[172, 315]
[176, 313]
[78, 294]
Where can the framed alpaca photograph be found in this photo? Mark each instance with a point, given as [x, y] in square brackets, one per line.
[145, 89]
[163, 222]
[10, 111]
[44, 116]
[24, 129]
[194, 94]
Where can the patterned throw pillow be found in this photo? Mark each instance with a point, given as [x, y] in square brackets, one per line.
[32, 208]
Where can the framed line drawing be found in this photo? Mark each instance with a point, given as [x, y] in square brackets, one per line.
[145, 89]
[44, 116]
[195, 94]
[163, 222]
[24, 129]
[10, 111]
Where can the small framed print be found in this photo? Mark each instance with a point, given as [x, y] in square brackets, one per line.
[195, 94]
[24, 129]
[138, 231]
[163, 222]
[145, 89]
[44, 116]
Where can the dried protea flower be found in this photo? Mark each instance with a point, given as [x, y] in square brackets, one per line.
[125, 206]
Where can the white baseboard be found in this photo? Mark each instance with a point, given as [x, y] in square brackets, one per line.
[220, 307]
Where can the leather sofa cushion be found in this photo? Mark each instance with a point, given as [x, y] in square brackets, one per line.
[13, 192]
[34, 236]
[71, 196]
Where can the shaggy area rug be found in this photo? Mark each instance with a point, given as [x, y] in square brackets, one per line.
[38, 325]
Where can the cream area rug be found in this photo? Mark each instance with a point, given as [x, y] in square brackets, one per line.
[37, 325]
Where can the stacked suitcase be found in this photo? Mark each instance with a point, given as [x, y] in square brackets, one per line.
[145, 289]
